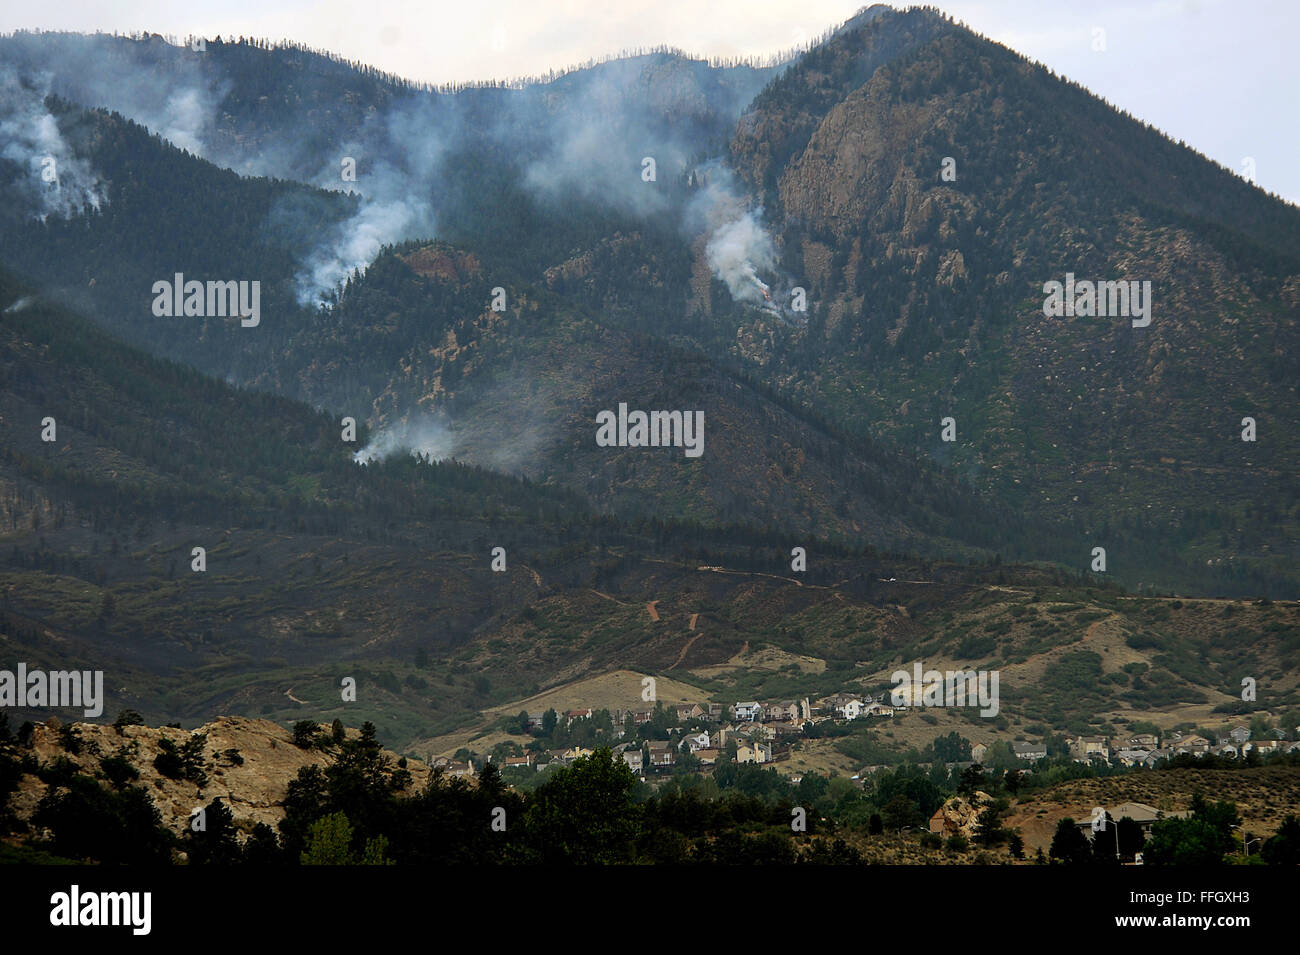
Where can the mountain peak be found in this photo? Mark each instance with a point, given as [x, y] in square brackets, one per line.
[864, 16]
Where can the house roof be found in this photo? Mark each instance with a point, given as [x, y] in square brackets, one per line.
[1137, 811]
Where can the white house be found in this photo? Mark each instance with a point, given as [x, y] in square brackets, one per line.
[1132, 757]
[1029, 750]
[634, 760]
[748, 712]
[694, 742]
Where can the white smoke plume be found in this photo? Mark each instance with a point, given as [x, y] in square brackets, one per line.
[738, 247]
[399, 159]
[18, 306]
[584, 134]
[423, 438]
[354, 244]
[736, 252]
[53, 179]
[178, 94]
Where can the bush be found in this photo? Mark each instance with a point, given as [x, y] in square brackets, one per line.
[168, 761]
[183, 762]
[87, 821]
[329, 841]
[118, 770]
[1284, 847]
[305, 734]
[127, 718]
[70, 739]
[1144, 641]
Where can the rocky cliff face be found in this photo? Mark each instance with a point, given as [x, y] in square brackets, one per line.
[924, 183]
[779, 123]
[960, 816]
[248, 763]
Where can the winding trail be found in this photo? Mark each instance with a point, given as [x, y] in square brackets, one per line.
[682, 656]
[1096, 625]
[750, 573]
[614, 599]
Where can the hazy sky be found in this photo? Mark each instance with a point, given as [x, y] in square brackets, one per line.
[1221, 75]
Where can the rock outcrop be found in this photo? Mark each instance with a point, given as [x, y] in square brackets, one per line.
[248, 764]
[960, 816]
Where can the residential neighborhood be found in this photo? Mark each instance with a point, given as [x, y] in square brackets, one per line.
[655, 740]
[659, 739]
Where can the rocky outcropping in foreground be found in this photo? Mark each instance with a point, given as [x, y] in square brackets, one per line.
[248, 763]
[960, 816]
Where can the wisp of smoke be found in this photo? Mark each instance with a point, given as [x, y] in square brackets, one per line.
[186, 116]
[594, 143]
[56, 182]
[423, 438]
[19, 305]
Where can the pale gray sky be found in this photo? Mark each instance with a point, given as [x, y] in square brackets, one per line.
[1218, 74]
